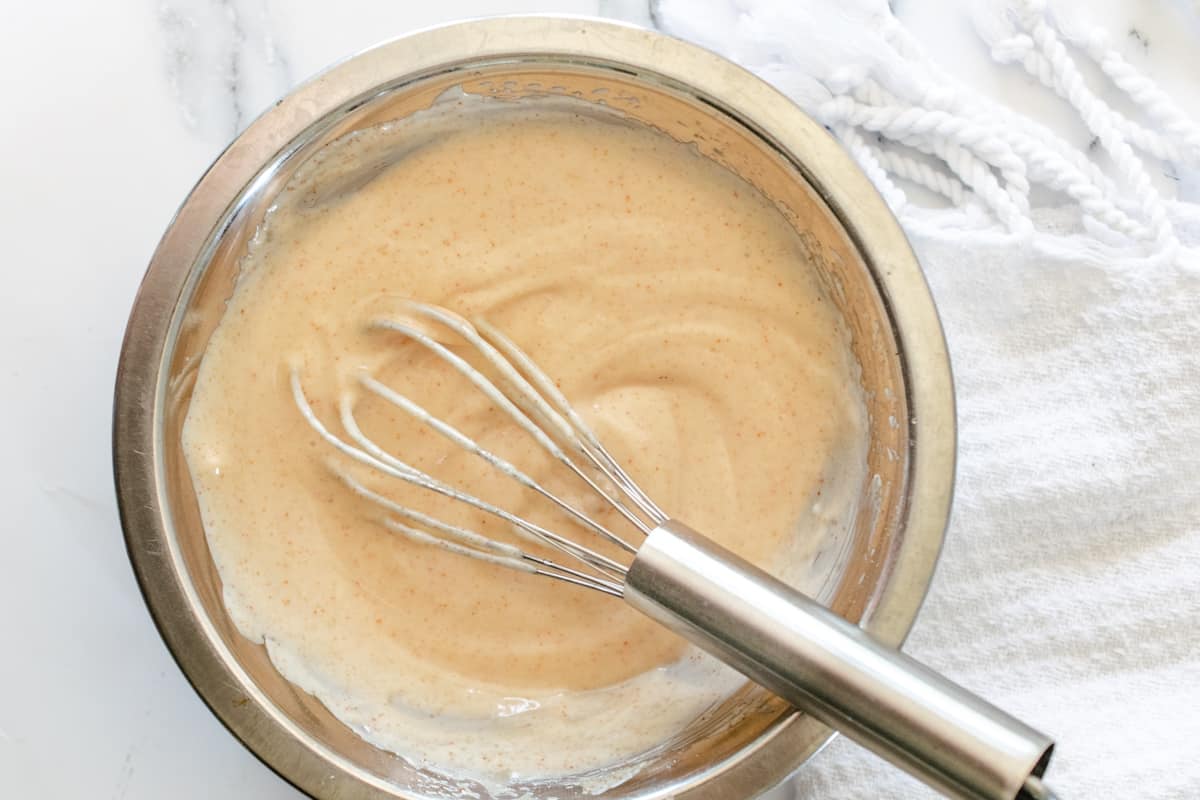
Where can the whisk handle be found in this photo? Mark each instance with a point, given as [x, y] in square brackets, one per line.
[786, 642]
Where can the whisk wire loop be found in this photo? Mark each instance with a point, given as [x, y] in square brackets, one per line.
[373, 456]
[586, 439]
[524, 391]
[532, 401]
[467, 443]
[466, 542]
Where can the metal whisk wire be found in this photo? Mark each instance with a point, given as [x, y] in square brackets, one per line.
[533, 397]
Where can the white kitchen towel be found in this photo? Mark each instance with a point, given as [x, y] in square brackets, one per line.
[1069, 285]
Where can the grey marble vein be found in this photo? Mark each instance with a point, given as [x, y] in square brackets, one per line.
[223, 62]
[639, 12]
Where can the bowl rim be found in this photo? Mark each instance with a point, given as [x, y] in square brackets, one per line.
[149, 340]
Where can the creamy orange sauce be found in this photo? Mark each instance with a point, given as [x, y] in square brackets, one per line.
[671, 304]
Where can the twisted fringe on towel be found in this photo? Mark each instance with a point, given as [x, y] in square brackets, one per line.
[904, 118]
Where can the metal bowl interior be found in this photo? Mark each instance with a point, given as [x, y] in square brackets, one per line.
[877, 576]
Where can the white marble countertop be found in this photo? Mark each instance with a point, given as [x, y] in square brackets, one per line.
[114, 110]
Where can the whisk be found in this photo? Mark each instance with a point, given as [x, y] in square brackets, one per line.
[778, 637]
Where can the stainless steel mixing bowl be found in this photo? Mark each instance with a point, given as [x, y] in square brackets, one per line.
[878, 577]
